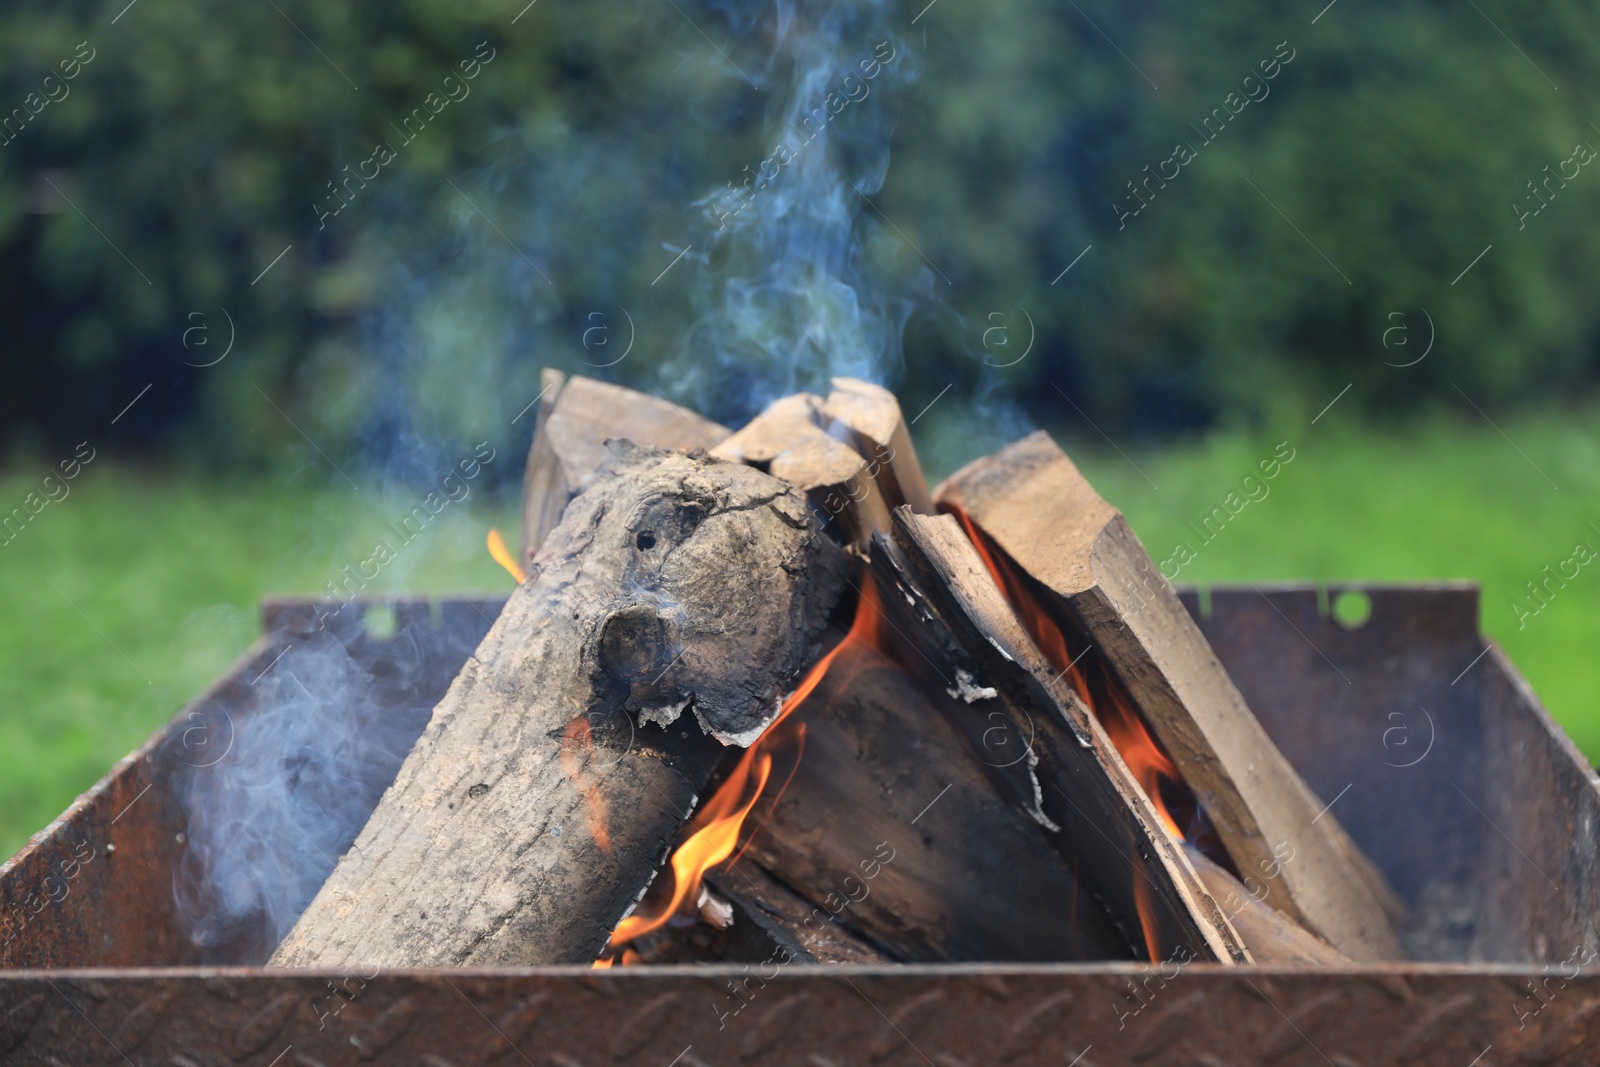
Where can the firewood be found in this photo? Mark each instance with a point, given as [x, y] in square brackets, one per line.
[880, 434]
[1270, 934]
[1088, 570]
[749, 926]
[787, 441]
[780, 913]
[747, 916]
[891, 830]
[1043, 747]
[544, 479]
[559, 768]
[576, 417]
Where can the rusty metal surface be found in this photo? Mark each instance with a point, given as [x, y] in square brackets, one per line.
[951, 1016]
[1402, 711]
[1543, 858]
[1436, 756]
[95, 888]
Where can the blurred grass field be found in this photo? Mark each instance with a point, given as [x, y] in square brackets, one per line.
[131, 594]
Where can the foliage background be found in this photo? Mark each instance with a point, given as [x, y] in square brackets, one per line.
[1250, 292]
[199, 137]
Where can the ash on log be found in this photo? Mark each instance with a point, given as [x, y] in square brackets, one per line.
[750, 917]
[790, 920]
[576, 417]
[1087, 568]
[1042, 747]
[560, 767]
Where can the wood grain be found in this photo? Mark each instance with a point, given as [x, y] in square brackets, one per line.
[559, 768]
[1097, 582]
[1049, 753]
[576, 417]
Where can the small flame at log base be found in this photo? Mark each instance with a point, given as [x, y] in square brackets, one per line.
[502, 555]
[718, 825]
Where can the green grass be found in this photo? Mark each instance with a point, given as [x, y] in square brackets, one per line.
[156, 581]
[1442, 499]
[166, 569]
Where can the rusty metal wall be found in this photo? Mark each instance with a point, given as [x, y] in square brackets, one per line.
[1434, 753]
[1436, 756]
[913, 1016]
[95, 888]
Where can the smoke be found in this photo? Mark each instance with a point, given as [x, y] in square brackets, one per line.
[279, 782]
[794, 278]
[792, 283]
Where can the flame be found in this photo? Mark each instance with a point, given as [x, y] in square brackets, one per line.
[719, 823]
[577, 741]
[1150, 766]
[502, 555]
[708, 846]
[1122, 723]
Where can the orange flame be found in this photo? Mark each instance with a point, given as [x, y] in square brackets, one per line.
[1149, 765]
[1122, 722]
[502, 555]
[719, 823]
[706, 847]
[577, 742]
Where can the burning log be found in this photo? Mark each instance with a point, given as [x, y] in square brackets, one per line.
[1043, 747]
[559, 768]
[748, 917]
[891, 829]
[576, 417]
[788, 441]
[1071, 561]
[788, 920]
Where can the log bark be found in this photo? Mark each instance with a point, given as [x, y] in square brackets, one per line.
[890, 829]
[1096, 581]
[576, 417]
[1044, 749]
[560, 767]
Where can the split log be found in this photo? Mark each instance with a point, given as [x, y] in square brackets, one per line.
[780, 913]
[787, 440]
[1087, 569]
[558, 769]
[879, 432]
[1272, 936]
[544, 479]
[1043, 747]
[891, 830]
[576, 417]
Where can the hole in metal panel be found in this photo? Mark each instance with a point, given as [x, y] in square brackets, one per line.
[380, 622]
[1352, 608]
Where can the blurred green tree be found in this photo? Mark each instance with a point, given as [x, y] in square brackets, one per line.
[199, 144]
